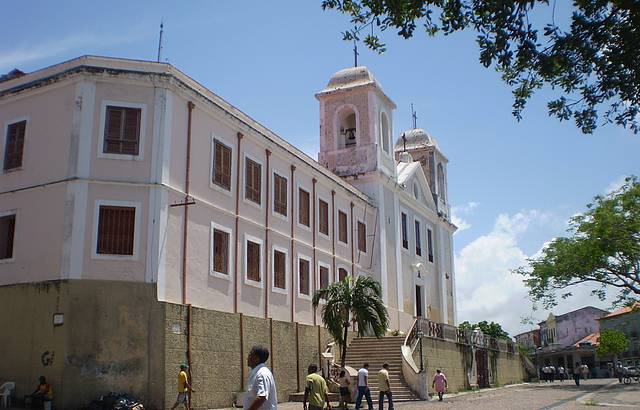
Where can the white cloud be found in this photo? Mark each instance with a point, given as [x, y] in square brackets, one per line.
[486, 288]
[464, 209]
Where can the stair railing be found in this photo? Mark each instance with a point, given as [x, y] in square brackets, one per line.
[415, 378]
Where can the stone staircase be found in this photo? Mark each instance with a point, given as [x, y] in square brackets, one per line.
[376, 352]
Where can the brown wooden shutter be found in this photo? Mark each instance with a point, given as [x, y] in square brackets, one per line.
[7, 231]
[116, 227]
[303, 207]
[131, 131]
[279, 267]
[324, 277]
[14, 145]
[253, 188]
[221, 251]
[323, 216]
[222, 165]
[362, 237]
[418, 240]
[280, 194]
[122, 130]
[342, 274]
[253, 261]
[342, 227]
[303, 269]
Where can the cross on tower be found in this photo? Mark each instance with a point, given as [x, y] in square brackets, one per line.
[414, 117]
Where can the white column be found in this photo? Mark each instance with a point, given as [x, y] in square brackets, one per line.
[399, 273]
[384, 280]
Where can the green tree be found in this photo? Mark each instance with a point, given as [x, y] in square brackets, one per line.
[352, 301]
[612, 343]
[590, 62]
[489, 329]
[603, 248]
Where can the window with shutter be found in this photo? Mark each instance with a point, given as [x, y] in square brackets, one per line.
[405, 239]
[221, 251]
[116, 230]
[323, 217]
[324, 277]
[221, 165]
[253, 261]
[418, 239]
[342, 227]
[280, 194]
[303, 271]
[279, 269]
[342, 274]
[362, 237]
[122, 130]
[7, 231]
[253, 181]
[430, 244]
[303, 207]
[14, 145]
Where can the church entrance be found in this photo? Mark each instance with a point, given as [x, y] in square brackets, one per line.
[419, 311]
[482, 363]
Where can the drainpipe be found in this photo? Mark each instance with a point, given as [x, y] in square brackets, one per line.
[293, 276]
[236, 284]
[266, 241]
[333, 233]
[313, 230]
[185, 231]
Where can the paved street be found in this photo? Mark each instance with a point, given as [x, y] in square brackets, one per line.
[557, 395]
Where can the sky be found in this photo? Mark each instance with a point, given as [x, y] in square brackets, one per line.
[512, 185]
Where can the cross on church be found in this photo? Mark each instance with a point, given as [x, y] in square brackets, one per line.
[414, 117]
[355, 52]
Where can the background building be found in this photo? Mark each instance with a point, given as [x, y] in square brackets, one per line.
[627, 321]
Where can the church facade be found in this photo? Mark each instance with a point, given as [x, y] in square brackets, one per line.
[131, 171]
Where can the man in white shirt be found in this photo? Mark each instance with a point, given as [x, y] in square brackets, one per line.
[261, 388]
[363, 387]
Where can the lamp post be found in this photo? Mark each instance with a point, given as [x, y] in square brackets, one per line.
[420, 335]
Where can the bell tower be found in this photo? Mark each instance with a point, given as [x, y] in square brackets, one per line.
[355, 124]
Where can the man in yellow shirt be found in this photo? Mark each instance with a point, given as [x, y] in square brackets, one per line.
[385, 387]
[315, 390]
[183, 388]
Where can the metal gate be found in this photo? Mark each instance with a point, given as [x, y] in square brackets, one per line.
[482, 360]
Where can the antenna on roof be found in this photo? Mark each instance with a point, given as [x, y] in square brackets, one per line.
[414, 117]
[160, 40]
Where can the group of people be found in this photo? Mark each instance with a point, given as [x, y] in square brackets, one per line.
[262, 395]
[552, 373]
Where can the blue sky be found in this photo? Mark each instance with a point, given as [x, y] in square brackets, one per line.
[513, 185]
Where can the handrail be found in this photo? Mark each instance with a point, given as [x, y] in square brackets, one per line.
[415, 379]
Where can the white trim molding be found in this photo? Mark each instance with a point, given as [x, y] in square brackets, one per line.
[143, 125]
[136, 230]
[324, 265]
[272, 187]
[287, 269]
[213, 185]
[244, 181]
[247, 281]
[310, 280]
[300, 186]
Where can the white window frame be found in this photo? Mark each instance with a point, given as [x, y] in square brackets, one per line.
[402, 248]
[15, 231]
[342, 266]
[143, 125]
[299, 186]
[247, 281]
[136, 231]
[317, 216]
[389, 147]
[325, 265]
[274, 288]
[366, 241]
[3, 148]
[307, 258]
[212, 271]
[337, 219]
[212, 185]
[244, 181]
[272, 188]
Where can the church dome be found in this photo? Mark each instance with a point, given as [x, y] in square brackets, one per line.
[350, 77]
[415, 139]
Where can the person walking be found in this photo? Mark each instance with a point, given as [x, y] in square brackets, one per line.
[344, 381]
[561, 374]
[384, 386]
[183, 388]
[261, 388]
[363, 387]
[584, 369]
[315, 390]
[439, 383]
[576, 374]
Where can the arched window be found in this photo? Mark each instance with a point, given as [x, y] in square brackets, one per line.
[342, 274]
[441, 190]
[347, 129]
[416, 190]
[384, 132]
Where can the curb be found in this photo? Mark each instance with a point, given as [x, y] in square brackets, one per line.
[478, 391]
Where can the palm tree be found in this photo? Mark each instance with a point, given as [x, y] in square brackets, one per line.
[352, 301]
